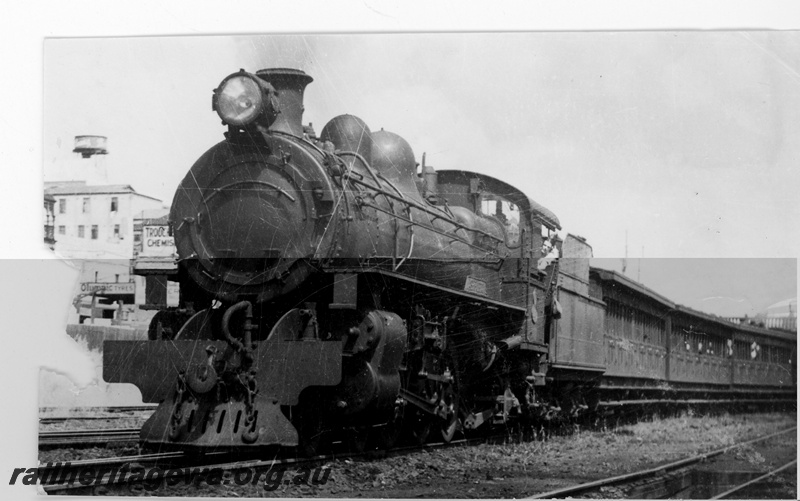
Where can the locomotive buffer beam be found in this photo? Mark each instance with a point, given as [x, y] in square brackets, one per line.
[283, 369]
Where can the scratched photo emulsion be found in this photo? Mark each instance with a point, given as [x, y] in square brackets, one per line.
[462, 265]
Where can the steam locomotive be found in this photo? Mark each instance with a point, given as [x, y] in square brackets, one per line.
[333, 286]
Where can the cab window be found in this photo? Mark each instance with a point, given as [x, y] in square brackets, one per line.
[507, 213]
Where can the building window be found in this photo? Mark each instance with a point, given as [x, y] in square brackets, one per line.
[62, 230]
[94, 232]
[62, 205]
[87, 207]
[114, 204]
[80, 231]
[116, 231]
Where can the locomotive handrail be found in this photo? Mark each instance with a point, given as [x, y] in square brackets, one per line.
[433, 229]
[363, 160]
[217, 191]
[491, 303]
[372, 173]
[430, 212]
[400, 197]
[397, 230]
[410, 244]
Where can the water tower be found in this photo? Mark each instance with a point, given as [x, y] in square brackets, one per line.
[94, 149]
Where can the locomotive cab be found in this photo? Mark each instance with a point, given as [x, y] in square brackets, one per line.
[518, 216]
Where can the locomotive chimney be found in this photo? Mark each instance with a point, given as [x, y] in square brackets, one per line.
[289, 84]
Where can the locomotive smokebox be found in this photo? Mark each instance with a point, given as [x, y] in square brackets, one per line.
[289, 85]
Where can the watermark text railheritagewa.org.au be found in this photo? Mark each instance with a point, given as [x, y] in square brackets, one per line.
[270, 477]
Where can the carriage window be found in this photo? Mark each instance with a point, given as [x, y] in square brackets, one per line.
[507, 213]
[742, 350]
[755, 351]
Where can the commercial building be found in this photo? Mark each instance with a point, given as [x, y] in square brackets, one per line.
[781, 315]
[96, 222]
[95, 227]
[49, 221]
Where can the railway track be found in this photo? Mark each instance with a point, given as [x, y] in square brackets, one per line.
[64, 477]
[109, 480]
[227, 462]
[695, 402]
[94, 413]
[86, 438]
[755, 481]
[621, 481]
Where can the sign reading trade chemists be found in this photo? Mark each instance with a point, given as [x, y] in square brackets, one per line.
[109, 288]
[157, 242]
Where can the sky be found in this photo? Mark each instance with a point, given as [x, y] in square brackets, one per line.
[661, 144]
[689, 142]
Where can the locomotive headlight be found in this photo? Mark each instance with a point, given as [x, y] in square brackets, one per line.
[239, 99]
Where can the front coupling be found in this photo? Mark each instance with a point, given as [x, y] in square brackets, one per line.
[201, 378]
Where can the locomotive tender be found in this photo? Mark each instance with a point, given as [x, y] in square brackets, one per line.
[332, 285]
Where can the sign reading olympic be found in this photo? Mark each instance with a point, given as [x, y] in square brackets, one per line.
[108, 288]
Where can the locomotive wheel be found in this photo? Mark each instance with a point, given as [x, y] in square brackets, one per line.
[310, 426]
[449, 428]
[310, 442]
[388, 435]
[452, 423]
[357, 440]
[418, 427]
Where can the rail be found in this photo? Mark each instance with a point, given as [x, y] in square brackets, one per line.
[727, 493]
[651, 472]
[49, 439]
